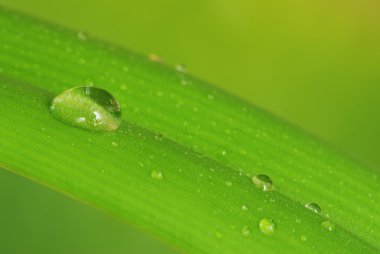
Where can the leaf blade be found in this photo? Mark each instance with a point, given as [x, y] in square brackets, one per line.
[194, 115]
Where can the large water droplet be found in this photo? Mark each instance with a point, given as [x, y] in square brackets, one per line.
[313, 207]
[87, 107]
[263, 182]
[267, 226]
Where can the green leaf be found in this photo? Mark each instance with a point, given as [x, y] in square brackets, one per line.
[181, 163]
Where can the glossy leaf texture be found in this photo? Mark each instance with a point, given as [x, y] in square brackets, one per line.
[181, 164]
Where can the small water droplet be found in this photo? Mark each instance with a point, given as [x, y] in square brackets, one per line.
[244, 208]
[245, 231]
[328, 225]
[88, 108]
[303, 238]
[267, 226]
[263, 182]
[313, 207]
[157, 175]
[158, 137]
[181, 68]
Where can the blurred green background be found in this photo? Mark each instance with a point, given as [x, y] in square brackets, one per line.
[315, 63]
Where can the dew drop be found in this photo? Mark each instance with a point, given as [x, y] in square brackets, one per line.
[313, 207]
[263, 182]
[267, 226]
[157, 175]
[328, 225]
[88, 108]
[245, 231]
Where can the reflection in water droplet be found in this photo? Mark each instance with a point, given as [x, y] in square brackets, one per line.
[263, 182]
[267, 226]
[328, 225]
[313, 207]
[88, 108]
[245, 231]
[157, 175]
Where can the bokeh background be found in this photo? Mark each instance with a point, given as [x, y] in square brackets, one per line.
[315, 63]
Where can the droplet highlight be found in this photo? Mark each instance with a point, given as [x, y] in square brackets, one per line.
[328, 225]
[263, 182]
[313, 207]
[267, 226]
[88, 108]
[155, 174]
